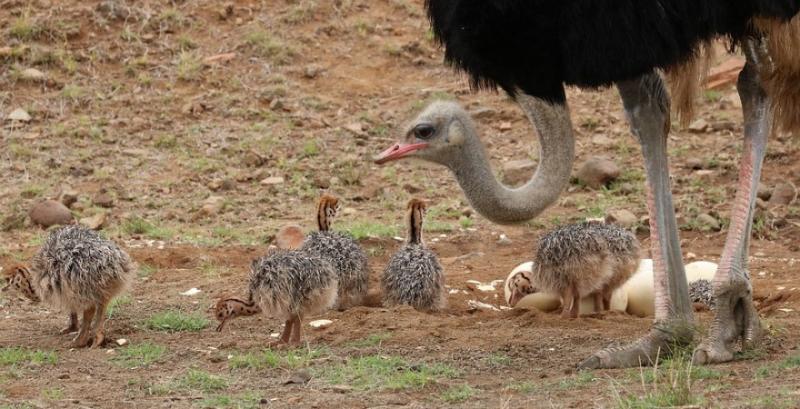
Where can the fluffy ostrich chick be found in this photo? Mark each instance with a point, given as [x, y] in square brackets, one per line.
[286, 284]
[342, 251]
[414, 275]
[579, 260]
[78, 271]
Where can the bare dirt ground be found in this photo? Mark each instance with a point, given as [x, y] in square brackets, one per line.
[166, 116]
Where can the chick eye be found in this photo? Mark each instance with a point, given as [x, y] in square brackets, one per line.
[424, 131]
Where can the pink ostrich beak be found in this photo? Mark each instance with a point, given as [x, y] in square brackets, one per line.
[399, 151]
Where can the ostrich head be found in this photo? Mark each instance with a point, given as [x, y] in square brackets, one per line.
[438, 135]
[228, 308]
[18, 277]
[520, 285]
[326, 211]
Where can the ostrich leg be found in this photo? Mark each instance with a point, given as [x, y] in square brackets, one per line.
[735, 316]
[647, 105]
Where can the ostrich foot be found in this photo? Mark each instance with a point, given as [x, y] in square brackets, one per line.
[659, 343]
[735, 319]
[72, 326]
[99, 339]
[81, 341]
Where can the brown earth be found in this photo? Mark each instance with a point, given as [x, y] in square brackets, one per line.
[133, 109]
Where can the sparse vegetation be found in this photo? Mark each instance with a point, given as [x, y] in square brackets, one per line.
[377, 372]
[176, 321]
[17, 356]
[458, 394]
[268, 358]
[139, 355]
[365, 229]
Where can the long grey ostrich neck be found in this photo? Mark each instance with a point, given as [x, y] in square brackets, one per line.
[504, 205]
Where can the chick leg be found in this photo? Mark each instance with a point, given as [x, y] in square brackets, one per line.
[83, 336]
[99, 325]
[72, 325]
[296, 331]
[568, 301]
[285, 335]
[598, 301]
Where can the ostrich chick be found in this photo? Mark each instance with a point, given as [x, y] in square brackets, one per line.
[579, 260]
[414, 275]
[342, 252]
[78, 271]
[287, 284]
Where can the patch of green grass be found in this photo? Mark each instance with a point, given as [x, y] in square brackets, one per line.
[72, 92]
[246, 401]
[139, 226]
[498, 359]
[458, 394]
[523, 387]
[53, 393]
[667, 385]
[365, 229]
[16, 356]
[116, 305]
[466, 222]
[146, 270]
[188, 66]
[778, 368]
[292, 359]
[310, 148]
[140, 355]
[267, 46]
[377, 372]
[374, 340]
[204, 381]
[583, 378]
[25, 28]
[176, 321]
[435, 226]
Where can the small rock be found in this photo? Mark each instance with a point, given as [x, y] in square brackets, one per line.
[289, 237]
[272, 180]
[412, 189]
[192, 292]
[276, 104]
[312, 71]
[602, 140]
[622, 217]
[50, 213]
[103, 199]
[212, 205]
[707, 221]
[320, 324]
[300, 377]
[698, 126]
[356, 128]
[785, 193]
[95, 222]
[694, 163]
[627, 188]
[19, 115]
[122, 342]
[764, 192]
[341, 388]
[505, 126]
[598, 172]
[32, 74]
[322, 182]
[253, 159]
[503, 240]
[518, 171]
[466, 212]
[68, 196]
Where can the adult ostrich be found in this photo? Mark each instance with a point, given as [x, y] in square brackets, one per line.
[532, 48]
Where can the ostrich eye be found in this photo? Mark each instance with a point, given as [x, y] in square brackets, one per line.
[424, 131]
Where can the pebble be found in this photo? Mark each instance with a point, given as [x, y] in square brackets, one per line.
[503, 240]
[50, 213]
[95, 222]
[272, 181]
[122, 342]
[622, 217]
[212, 205]
[698, 126]
[32, 74]
[598, 172]
[708, 221]
[19, 115]
[784, 194]
[516, 172]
